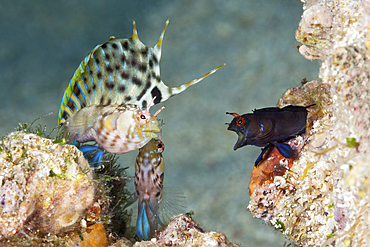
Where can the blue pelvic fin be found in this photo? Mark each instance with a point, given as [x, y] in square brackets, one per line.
[95, 160]
[266, 150]
[87, 149]
[284, 149]
[155, 214]
[143, 226]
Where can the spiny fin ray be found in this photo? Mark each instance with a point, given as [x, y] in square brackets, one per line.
[176, 90]
[120, 72]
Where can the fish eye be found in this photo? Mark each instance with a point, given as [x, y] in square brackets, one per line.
[158, 194]
[240, 121]
[143, 117]
[160, 146]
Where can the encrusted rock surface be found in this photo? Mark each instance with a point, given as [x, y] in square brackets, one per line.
[183, 231]
[45, 188]
[323, 197]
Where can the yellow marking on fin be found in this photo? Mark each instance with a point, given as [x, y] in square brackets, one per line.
[134, 33]
[177, 90]
[112, 38]
[159, 44]
[68, 111]
[76, 101]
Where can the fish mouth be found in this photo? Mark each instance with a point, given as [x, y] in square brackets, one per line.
[242, 139]
[151, 128]
[231, 128]
[241, 142]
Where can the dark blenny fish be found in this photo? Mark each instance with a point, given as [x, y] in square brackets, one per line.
[270, 126]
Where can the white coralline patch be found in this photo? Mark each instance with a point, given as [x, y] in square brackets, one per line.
[315, 31]
[316, 17]
[44, 187]
[310, 53]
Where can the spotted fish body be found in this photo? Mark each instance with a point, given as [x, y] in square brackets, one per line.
[149, 175]
[117, 129]
[120, 71]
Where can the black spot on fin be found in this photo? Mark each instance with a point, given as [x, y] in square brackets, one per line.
[156, 93]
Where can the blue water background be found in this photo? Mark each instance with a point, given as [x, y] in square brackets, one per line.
[42, 43]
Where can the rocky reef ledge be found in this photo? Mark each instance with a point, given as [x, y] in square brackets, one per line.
[321, 197]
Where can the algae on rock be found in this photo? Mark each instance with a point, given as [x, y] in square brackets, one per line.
[45, 187]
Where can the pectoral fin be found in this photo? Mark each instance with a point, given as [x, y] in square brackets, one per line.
[284, 149]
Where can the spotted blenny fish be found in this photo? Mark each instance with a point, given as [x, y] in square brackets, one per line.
[116, 128]
[156, 204]
[110, 94]
[149, 175]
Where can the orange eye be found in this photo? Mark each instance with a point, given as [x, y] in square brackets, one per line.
[160, 146]
[240, 121]
[143, 117]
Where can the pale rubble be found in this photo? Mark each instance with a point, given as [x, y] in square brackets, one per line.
[183, 231]
[326, 193]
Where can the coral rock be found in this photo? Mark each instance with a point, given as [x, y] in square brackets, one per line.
[122, 242]
[45, 187]
[315, 31]
[183, 231]
[323, 199]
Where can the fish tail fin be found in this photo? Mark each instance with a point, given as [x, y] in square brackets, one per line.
[176, 90]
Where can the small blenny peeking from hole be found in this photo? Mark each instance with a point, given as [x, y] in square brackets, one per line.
[156, 204]
[268, 127]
